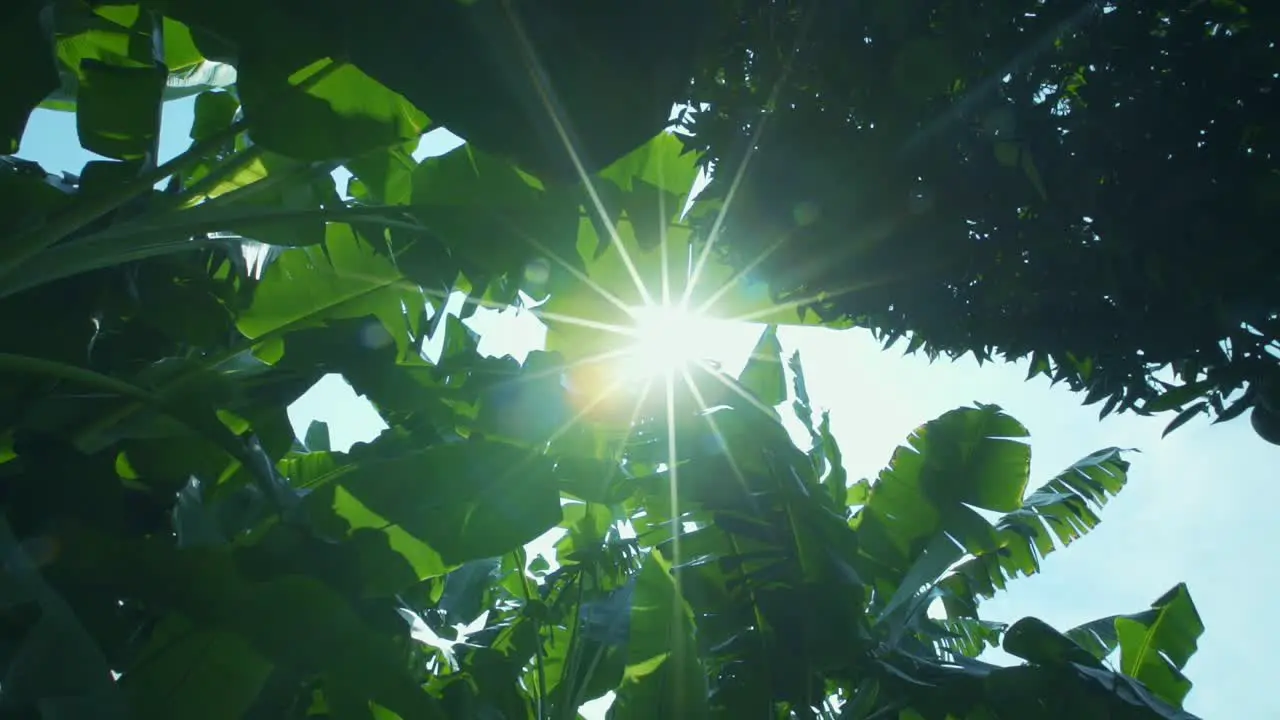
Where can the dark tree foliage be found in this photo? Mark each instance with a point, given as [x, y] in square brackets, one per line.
[1093, 185]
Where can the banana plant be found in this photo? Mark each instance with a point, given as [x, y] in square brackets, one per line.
[804, 605]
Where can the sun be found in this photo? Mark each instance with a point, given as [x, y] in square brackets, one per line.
[667, 339]
[655, 352]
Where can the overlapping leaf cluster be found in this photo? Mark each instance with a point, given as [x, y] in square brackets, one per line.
[1087, 185]
[172, 550]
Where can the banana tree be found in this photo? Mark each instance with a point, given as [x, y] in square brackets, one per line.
[707, 565]
[806, 595]
[721, 570]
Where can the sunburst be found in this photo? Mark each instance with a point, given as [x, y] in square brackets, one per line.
[665, 338]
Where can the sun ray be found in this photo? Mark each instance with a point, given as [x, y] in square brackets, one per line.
[720, 216]
[575, 272]
[673, 471]
[641, 397]
[738, 175]
[715, 429]
[742, 274]
[539, 78]
[582, 322]
[635, 411]
[444, 296]
[756, 315]
[664, 251]
[617, 242]
[754, 402]
[759, 315]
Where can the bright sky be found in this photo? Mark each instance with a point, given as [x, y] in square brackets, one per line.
[1200, 506]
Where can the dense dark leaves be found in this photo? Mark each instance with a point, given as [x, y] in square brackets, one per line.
[1090, 185]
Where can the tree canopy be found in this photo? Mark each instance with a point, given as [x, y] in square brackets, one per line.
[1091, 186]
[174, 549]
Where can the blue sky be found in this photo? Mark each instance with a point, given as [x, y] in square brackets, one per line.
[1200, 506]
